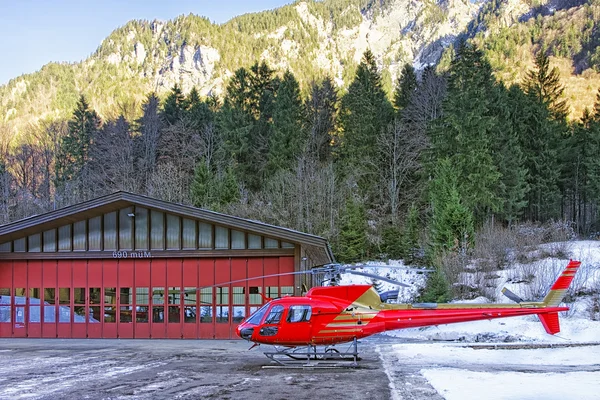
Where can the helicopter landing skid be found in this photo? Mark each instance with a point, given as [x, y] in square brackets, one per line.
[312, 356]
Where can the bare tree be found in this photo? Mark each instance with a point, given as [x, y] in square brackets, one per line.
[169, 184]
[426, 103]
[399, 157]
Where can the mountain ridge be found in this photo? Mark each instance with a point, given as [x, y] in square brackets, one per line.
[311, 38]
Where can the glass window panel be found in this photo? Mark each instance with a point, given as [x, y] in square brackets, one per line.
[158, 295]
[64, 314]
[205, 236]
[189, 234]
[126, 295]
[173, 232]
[174, 314]
[79, 295]
[95, 295]
[254, 296]
[126, 314]
[95, 315]
[49, 295]
[272, 292]
[274, 315]
[158, 314]
[5, 313]
[287, 245]
[271, 243]
[5, 247]
[287, 291]
[79, 236]
[189, 314]
[141, 314]
[34, 313]
[64, 238]
[79, 314]
[20, 292]
[64, 296]
[110, 314]
[34, 295]
[141, 296]
[110, 295]
[239, 295]
[49, 313]
[222, 314]
[20, 314]
[34, 243]
[189, 295]
[238, 240]
[157, 231]
[175, 295]
[49, 240]
[254, 241]
[239, 313]
[5, 292]
[221, 237]
[206, 296]
[126, 217]
[141, 228]
[222, 295]
[299, 314]
[110, 231]
[95, 233]
[20, 245]
[206, 314]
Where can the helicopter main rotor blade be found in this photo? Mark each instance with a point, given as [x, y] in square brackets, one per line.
[377, 277]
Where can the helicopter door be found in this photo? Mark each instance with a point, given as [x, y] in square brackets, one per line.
[271, 324]
[296, 326]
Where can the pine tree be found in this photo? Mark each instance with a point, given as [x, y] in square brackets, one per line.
[353, 243]
[451, 226]
[288, 137]
[174, 107]
[465, 132]
[406, 87]
[246, 122]
[364, 112]
[73, 153]
[150, 125]
[321, 114]
[544, 85]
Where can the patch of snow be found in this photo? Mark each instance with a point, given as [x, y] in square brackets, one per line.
[452, 384]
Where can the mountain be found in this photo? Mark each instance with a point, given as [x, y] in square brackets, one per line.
[312, 39]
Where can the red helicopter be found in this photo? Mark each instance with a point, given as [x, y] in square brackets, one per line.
[331, 315]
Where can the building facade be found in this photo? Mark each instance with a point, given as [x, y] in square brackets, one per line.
[129, 266]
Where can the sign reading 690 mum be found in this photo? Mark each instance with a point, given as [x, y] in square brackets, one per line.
[132, 254]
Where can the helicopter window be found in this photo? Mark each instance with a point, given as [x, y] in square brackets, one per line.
[258, 315]
[274, 315]
[299, 314]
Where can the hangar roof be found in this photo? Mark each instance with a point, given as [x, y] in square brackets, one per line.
[315, 245]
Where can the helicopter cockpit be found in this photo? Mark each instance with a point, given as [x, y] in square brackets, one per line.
[269, 316]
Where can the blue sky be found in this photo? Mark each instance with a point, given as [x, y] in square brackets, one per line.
[36, 32]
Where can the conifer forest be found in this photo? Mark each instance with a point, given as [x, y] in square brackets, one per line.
[418, 173]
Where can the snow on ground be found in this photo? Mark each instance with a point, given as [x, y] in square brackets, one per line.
[472, 385]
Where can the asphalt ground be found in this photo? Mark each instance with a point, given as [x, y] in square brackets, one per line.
[180, 369]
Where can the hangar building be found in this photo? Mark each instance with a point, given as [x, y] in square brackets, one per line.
[129, 266]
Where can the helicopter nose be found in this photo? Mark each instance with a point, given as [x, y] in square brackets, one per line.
[244, 331]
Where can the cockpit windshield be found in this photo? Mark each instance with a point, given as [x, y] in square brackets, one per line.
[258, 315]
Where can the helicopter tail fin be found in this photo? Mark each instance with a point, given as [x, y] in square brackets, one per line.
[550, 322]
[559, 289]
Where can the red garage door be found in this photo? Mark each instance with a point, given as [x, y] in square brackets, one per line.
[142, 298]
